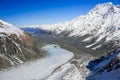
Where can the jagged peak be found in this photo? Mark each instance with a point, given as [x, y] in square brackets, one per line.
[106, 4]
[104, 8]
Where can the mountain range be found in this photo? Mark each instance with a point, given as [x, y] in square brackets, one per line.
[98, 28]
[96, 32]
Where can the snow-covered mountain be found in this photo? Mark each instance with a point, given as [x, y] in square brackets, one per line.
[9, 29]
[98, 28]
[105, 68]
[16, 46]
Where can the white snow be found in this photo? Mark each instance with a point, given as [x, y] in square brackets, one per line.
[40, 69]
[87, 39]
[9, 29]
[73, 74]
[96, 47]
[59, 73]
[90, 45]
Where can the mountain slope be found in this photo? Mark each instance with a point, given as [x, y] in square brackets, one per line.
[105, 68]
[96, 29]
[16, 46]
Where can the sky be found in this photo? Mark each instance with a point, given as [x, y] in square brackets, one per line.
[32, 12]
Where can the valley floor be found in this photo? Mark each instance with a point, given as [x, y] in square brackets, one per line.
[43, 68]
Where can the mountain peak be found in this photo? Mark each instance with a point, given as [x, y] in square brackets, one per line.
[108, 4]
[105, 8]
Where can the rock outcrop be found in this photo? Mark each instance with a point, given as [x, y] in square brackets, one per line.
[16, 46]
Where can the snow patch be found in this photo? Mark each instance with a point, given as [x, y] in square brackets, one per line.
[87, 39]
[88, 46]
[96, 47]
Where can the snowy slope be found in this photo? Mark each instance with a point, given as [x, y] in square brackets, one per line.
[42, 68]
[8, 29]
[102, 24]
[105, 68]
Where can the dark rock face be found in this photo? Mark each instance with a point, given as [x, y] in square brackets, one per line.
[16, 50]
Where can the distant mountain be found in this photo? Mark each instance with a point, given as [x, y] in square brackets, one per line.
[106, 67]
[98, 29]
[16, 46]
[34, 30]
